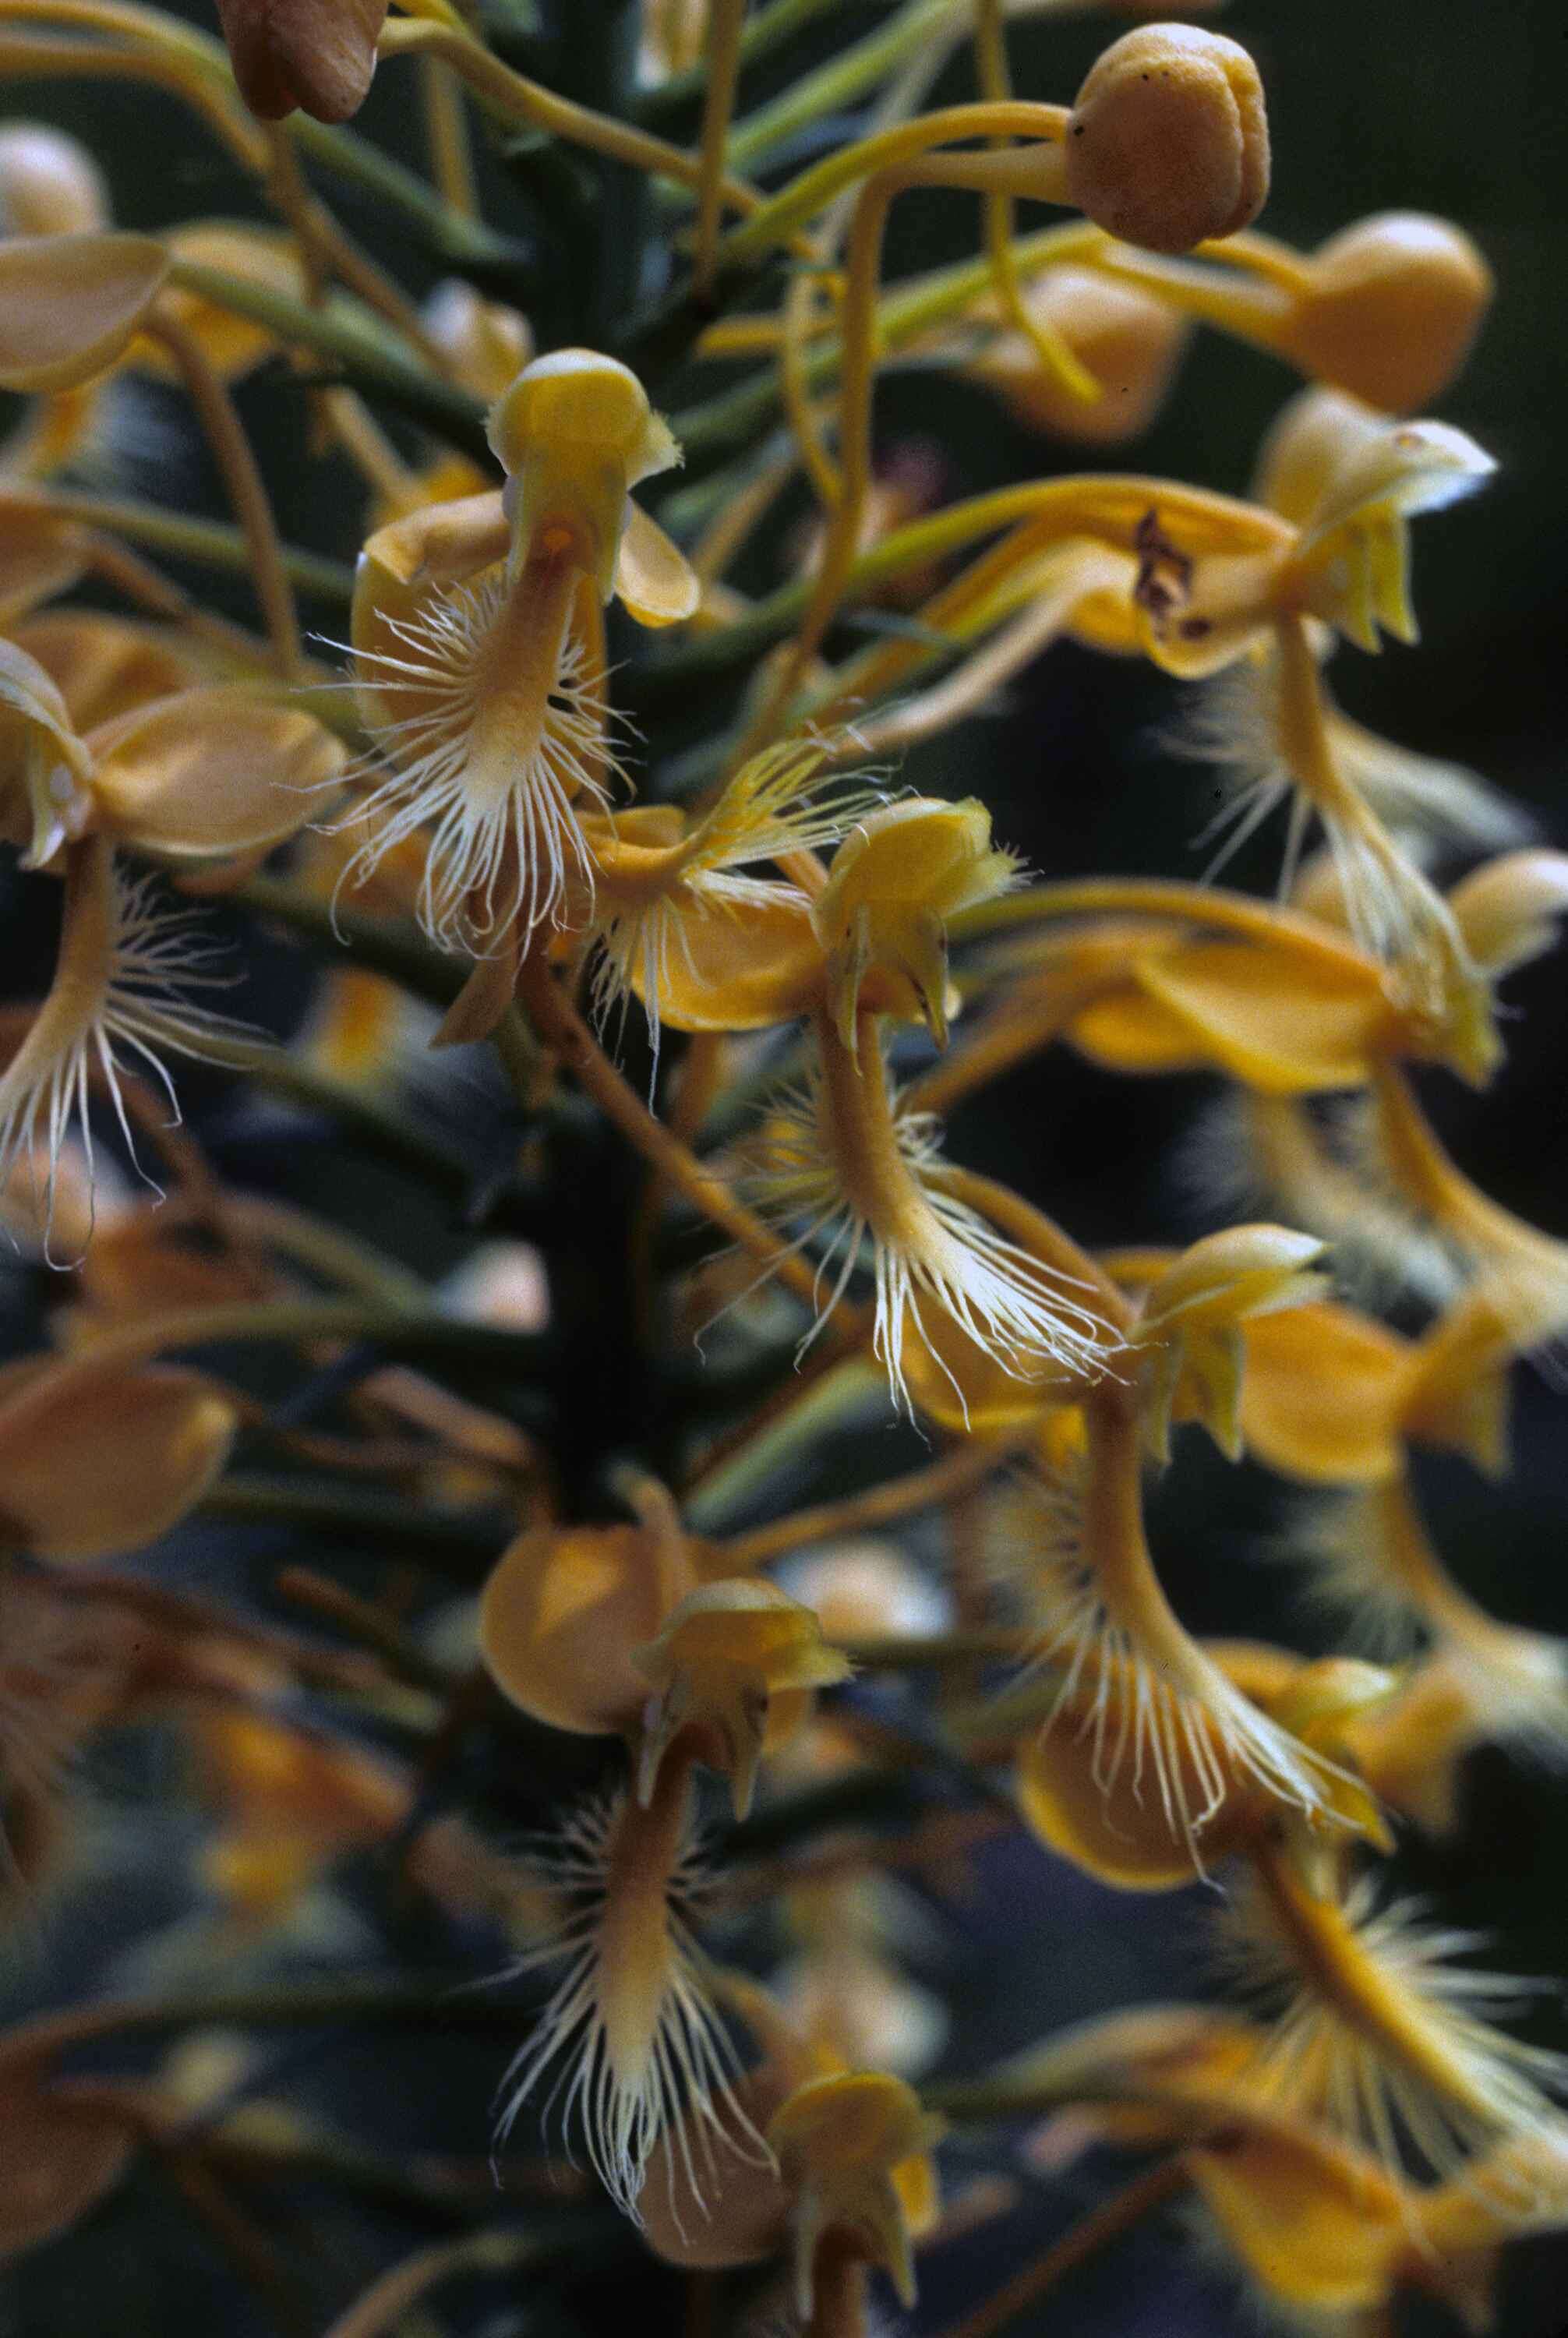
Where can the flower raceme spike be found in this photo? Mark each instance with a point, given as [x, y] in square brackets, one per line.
[838, 1163]
[121, 1000]
[1167, 143]
[633, 2023]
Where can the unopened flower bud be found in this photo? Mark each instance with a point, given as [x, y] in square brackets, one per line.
[70, 304]
[1126, 339]
[316, 54]
[1509, 908]
[1168, 145]
[49, 184]
[488, 342]
[1395, 304]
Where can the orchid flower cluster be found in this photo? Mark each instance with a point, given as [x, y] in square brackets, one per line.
[557, 799]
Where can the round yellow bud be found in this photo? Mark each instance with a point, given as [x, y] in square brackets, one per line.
[1168, 145]
[1127, 339]
[1395, 305]
[49, 184]
[576, 401]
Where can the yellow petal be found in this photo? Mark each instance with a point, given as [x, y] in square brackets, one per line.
[1286, 1023]
[738, 968]
[212, 772]
[97, 1459]
[560, 1617]
[1315, 2224]
[1321, 1395]
[70, 304]
[105, 666]
[40, 556]
[656, 583]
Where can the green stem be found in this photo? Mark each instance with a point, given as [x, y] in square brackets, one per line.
[384, 946]
[903, 315]
[447, 1543]
[840, 82]
[214, 543]
[392, 1324]
[373, 1123]
[766, 30]
[464, 242]
[351, 338]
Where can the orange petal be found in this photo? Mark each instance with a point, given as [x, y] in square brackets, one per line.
[69, 304]
[211, 772]
[1286, 1023]
[1320, 1395]
[97, 1459]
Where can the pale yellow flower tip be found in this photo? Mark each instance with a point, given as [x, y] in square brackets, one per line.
[1226, 1277]
[49, 183]
[1168, 144]
[733, 1663]
[45, 769]
[1507, 911]
[1192, 1325]
[575, 433]
[70, 304]
[854, 2150]
[896, 879]
[487, 343]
